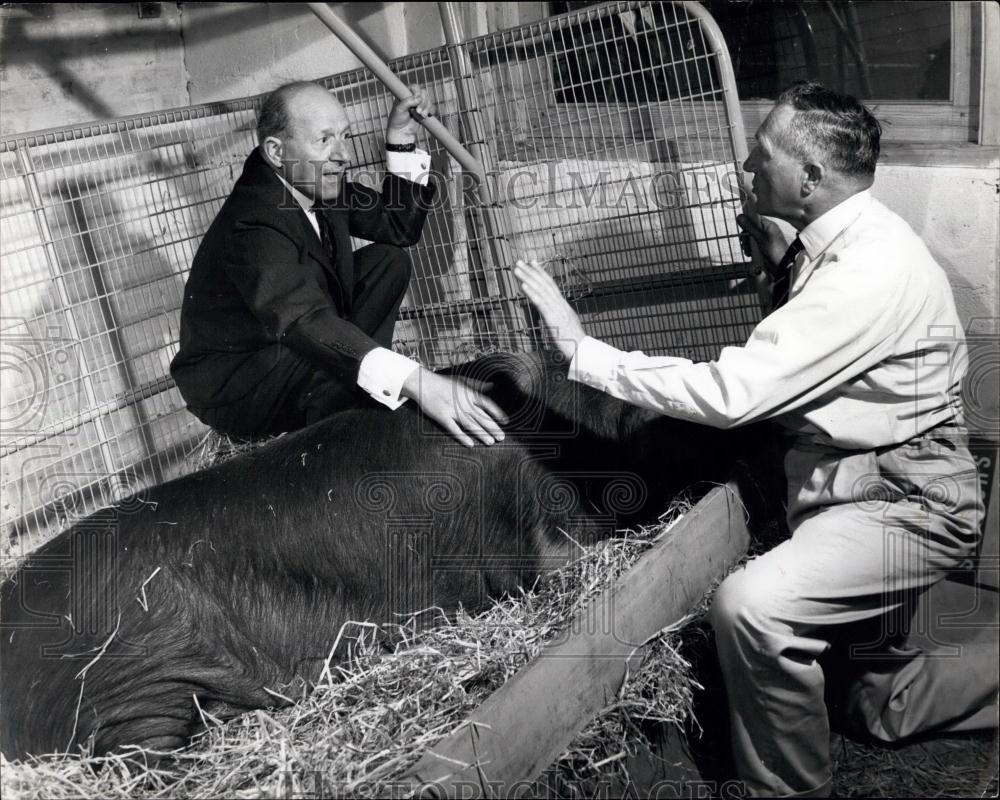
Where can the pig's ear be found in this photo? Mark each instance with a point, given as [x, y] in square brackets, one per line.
[526, 371]
[508, 376]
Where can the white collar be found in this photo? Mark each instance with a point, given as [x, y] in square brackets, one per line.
[819, 233]
[300, 198]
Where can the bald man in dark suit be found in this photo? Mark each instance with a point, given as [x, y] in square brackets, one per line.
[282, 324]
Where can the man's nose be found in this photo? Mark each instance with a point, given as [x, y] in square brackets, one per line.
[340, 152]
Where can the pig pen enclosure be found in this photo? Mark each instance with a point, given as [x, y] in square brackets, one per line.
[622, 177]
[611, 142]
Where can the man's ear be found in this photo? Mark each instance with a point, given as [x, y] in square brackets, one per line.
[273, 150]
[813, 175]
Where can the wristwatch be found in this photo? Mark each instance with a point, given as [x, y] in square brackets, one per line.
[400, 148]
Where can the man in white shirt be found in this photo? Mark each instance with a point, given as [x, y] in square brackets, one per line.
[282, 323]
[860, 362]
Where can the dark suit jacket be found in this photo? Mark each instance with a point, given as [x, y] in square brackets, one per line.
[261, 284]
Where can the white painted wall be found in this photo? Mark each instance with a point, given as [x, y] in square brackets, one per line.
[956, 211]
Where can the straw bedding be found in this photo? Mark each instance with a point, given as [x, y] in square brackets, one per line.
[371, 718]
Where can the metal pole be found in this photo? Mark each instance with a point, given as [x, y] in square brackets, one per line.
[498, 281]
[737, 137]
[371, 59]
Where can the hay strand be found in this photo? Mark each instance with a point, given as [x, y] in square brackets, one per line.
[372, 716]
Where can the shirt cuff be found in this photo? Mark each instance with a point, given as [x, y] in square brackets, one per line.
[414, 167]
[595, 363]
[382, 374]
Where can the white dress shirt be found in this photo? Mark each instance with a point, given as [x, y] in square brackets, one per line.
[382, 372]
[868, 351]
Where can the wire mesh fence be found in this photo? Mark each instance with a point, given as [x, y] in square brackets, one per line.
[612, 149]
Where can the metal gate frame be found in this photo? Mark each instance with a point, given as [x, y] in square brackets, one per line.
[100, 222]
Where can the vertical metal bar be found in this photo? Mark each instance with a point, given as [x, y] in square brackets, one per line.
[38, 208]
[737, 134]
[112, 326]
[803, 27]
[494, 217]
[849, 36]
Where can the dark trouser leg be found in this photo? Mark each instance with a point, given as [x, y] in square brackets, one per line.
[293, 394]
[381, 278]
[315, 396]
[296, 393]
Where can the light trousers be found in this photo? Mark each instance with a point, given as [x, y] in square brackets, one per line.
[871, 531]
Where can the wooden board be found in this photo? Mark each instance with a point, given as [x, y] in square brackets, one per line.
[524, 726]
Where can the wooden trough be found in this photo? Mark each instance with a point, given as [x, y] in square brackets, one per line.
[501, 748]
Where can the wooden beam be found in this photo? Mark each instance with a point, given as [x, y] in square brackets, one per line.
[524, 726]
[989, 100]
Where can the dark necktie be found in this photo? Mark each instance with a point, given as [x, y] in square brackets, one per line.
[783, 274]
[343, 266]
[324, 234]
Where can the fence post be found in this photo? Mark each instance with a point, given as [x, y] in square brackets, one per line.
[52, 263]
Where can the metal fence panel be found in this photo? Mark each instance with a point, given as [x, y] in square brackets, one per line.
[612, 142]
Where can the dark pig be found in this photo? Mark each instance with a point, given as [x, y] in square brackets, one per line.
[224, 590]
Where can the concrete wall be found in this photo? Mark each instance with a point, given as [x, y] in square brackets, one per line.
[239, 49]
[956, 211]
[62, 63]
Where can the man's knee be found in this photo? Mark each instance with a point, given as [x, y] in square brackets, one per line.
[391, 263]
[743, 600]
[400, 267]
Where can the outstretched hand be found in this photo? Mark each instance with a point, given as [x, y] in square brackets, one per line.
[402, 127]
[456, 406]
[562, 321]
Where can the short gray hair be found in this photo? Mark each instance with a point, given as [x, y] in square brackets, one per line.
[274, 119]
[836, 125]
